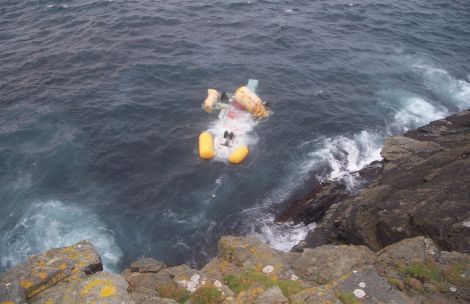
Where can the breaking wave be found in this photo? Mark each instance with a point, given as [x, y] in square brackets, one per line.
[281, 236]
[448, 88]
[53, 224]
[345, 155]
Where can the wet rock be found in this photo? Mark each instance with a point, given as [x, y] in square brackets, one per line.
[43, 271]
[423, 190]
[326, 263]
[313, 207]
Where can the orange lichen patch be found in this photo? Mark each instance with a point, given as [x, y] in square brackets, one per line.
[41, 275]
[107, 291]
[8, 302]
[250, 295]
[253, 250]
[26, 284]
[41, 263]
[63, 266]
[94, 283]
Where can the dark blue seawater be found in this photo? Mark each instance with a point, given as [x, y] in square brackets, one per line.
[101, 110]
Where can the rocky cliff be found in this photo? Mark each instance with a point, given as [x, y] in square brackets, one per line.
[249, 271]
[423, 189]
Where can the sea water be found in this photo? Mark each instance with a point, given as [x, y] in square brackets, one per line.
[101, 111]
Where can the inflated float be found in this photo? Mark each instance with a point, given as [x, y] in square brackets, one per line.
[228, 138]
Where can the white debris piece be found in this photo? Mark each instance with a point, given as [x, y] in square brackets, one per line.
[452, 289]
[268, 269]
[217, 284]
[359, 293]
[294, 277]
[362, 284]
[192, 285]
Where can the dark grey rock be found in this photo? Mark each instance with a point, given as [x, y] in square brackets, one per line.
[424, 189]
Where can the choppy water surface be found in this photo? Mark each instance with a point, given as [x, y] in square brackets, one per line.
[101, 110]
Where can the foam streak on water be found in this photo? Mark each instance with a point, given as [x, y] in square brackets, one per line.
[54, 224]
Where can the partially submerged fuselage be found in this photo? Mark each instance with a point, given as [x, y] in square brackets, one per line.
[228, 138]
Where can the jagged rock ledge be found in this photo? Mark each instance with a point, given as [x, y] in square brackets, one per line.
[248, 271]
[423, 189]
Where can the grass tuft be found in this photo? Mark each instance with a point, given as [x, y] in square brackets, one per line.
[253, 278]
[422, 272]
[289, 287]
[348, 298]
[207, 295]
[172, 291]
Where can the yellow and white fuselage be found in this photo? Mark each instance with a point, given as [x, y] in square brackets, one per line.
[229, 137]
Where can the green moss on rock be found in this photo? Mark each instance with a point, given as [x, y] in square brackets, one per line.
[348, 298]
[207, 295]
[172, 291]
[253, 278]
[424, 272]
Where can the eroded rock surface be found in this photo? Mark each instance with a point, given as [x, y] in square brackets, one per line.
[424, 189]
[40, 272]
[248, 271]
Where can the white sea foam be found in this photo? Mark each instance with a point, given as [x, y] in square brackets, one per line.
[413, 113]
[281, 236]
[346, 155]
[52, 224]
[349, 154]
[446, 86]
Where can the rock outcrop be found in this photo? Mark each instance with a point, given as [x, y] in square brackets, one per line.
[64, 275]
[424, 189]
[248, 271]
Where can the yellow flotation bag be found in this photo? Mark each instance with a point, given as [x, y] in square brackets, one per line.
[206, 145]
[251, 102]
[213, 97]
[238, 155]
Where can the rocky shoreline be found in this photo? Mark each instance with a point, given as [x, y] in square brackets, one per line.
[405, 238]
[423, 189]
